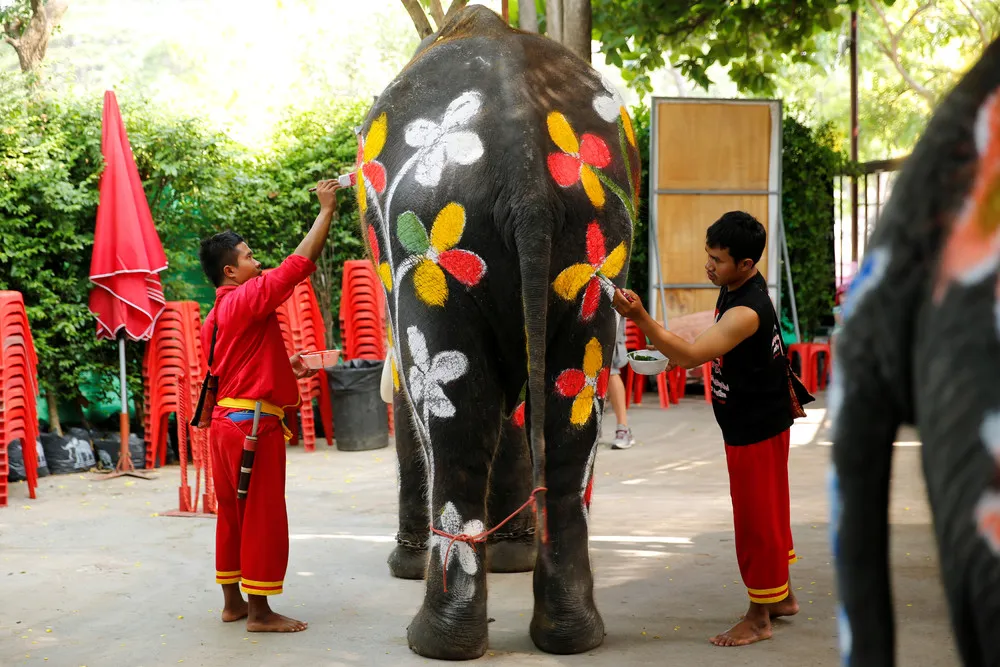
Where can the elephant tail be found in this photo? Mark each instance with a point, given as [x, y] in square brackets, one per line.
[534, 244]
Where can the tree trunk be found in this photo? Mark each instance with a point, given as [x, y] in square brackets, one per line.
[576, 27]
[54, 424]
[32, 40]
[527, 16]
[419, 18]
[554, 19]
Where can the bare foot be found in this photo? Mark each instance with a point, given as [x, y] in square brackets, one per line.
[234, 606]
[754, 627]
[236, 612]
[787, 607]
[272, 622]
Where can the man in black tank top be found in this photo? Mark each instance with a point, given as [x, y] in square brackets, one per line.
[752, 403]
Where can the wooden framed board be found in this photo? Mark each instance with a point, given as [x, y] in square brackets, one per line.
[708, 156]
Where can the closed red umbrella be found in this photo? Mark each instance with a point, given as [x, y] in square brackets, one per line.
[127, 298]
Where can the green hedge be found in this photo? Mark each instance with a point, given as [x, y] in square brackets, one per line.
[197, 182]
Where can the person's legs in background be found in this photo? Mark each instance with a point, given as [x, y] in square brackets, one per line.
[616, 391]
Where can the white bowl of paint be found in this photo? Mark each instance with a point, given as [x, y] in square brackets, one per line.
[647, 362]
[322, 359]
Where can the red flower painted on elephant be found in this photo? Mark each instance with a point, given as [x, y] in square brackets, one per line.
[578, 159]
[370, 171]
[383, 268]
[599, 264]
[584, 385]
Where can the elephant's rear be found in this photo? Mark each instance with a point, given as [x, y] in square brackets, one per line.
[921, 344]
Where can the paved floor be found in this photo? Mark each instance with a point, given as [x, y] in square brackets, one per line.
[91, 575]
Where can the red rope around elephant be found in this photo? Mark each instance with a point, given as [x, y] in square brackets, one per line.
[472, 540]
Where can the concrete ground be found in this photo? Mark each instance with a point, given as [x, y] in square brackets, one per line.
[93, 575]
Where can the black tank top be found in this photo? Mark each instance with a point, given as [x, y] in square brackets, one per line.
[750, 382]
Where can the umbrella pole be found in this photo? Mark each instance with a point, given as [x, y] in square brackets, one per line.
[124, 466]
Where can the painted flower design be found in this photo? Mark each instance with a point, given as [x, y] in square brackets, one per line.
[608, 104]
[436, 254]
[988, 509]
[446, 142]
[391, 353]
[427, 376]
[578, 159]
[371, 173]
[517, 417]
[972, 251]
[599, 264]
[382, 268]
[585, 386]
[451, 523]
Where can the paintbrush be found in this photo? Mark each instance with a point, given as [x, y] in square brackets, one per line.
[345, 180]
[608, 283]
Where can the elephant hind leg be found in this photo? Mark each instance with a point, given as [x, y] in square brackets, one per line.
[408, 559]
[566, 620]
[512, 548]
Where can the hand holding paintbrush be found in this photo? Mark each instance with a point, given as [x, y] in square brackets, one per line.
[344, 180]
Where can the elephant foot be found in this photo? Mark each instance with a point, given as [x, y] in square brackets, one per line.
[407, 562]
[460, 634]
[567, 626]
[507, 556]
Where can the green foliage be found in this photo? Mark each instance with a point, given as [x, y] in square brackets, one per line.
[638, 270]
[752, 38]
[197, 182]
[810, 162]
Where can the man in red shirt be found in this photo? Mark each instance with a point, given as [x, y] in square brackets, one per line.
[251, 365]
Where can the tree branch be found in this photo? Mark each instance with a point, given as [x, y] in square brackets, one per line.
[984, 34]
[456, 6]
[437, 13]
[419, 18]
[891, 50]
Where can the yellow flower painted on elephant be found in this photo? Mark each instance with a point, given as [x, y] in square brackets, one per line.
[599, 264]
[584, 386]
[629, 130]
[392, 360]
[579, 158]
[437, 253]
[370, 171]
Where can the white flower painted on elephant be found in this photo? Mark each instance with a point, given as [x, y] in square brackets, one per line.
[608, 106]
[447, 142]
[451, 523]
[428, 375]
[988, 509]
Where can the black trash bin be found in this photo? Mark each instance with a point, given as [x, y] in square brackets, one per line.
[360, 417]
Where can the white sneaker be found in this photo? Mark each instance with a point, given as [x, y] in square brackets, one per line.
[623, 438]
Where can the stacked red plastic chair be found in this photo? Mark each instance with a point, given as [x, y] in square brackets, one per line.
[362, 312]
[302, 329]
[18, 390]
[172, 371]
[362, 315]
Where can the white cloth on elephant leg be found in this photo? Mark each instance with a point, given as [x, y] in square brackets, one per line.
[385, 388]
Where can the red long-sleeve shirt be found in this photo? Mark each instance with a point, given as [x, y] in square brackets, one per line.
[250, 358]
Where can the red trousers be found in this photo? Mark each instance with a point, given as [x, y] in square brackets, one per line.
[251, 535]
[758, 484]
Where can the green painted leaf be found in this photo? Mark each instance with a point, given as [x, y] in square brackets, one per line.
[411, 233]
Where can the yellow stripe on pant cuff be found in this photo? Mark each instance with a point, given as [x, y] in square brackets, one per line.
[768, 595]
[253, 587]
[230, 577]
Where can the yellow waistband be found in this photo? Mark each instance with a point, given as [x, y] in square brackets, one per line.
[265, 408]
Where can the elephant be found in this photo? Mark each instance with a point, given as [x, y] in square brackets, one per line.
[920, 344]
[510, 550]
[497, 184]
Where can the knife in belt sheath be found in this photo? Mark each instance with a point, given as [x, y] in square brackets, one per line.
[246, 463]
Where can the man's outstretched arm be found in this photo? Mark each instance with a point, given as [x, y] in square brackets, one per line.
[312, 245]
[735, 326]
